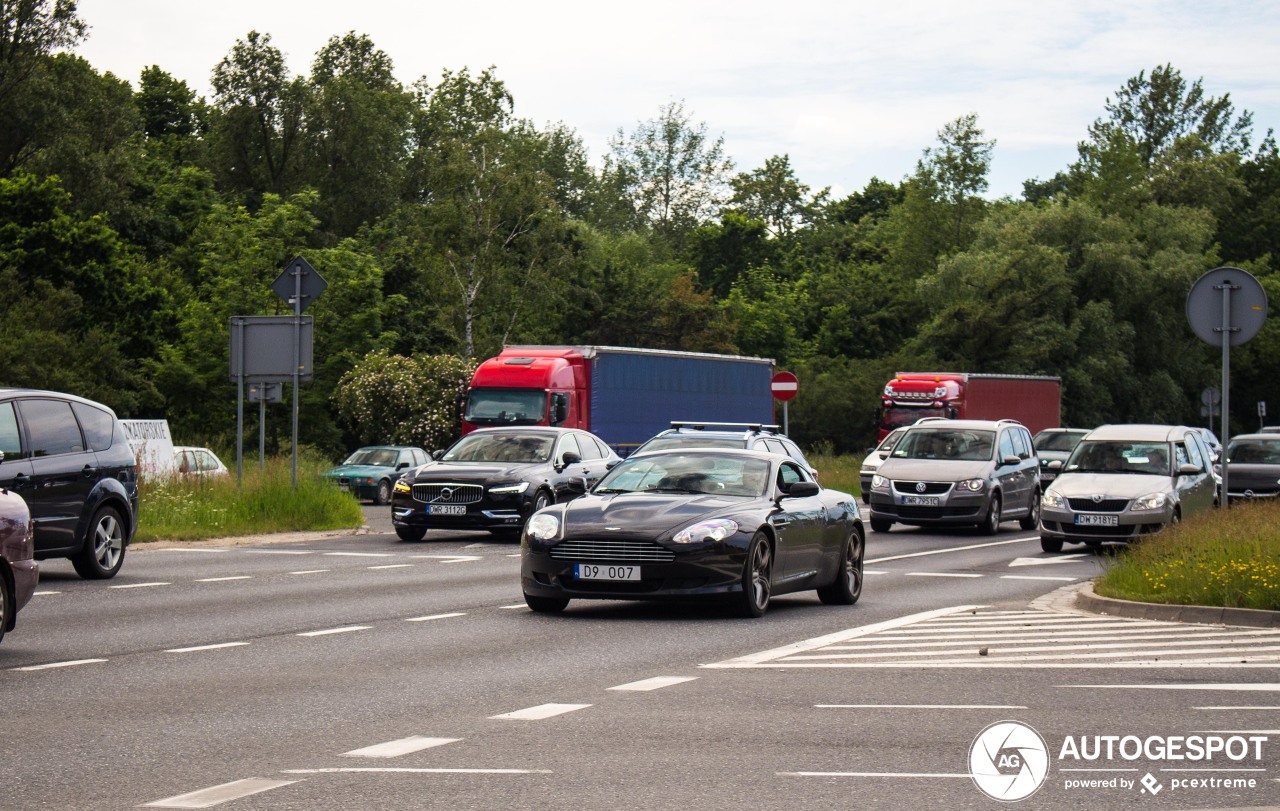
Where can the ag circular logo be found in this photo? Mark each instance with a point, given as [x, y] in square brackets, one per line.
[1008, 761]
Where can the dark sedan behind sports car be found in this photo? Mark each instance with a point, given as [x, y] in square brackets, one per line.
[1253, 462]
[735, 524]
[495, 478]
[19, 571]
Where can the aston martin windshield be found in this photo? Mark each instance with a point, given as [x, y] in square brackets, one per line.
[691, 473]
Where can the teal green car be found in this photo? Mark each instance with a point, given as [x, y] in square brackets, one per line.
[370, 472]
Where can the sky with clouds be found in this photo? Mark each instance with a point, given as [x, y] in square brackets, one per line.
[849, 90]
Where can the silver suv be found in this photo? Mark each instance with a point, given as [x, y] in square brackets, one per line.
[755, 436]
[959, 472]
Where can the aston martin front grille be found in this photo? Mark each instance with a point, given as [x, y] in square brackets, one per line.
[448, 493]
[612, 551]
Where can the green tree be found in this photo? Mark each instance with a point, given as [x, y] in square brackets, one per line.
[404, 400]
[31, 30]
[776, 196]
[674, 174]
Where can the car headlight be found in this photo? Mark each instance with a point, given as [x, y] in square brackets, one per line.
[543, 526]
[879, 482]
[1053, 500]
[509, 489]
[1154, 501]
[716, 529]
[403, 486]
[972, 485]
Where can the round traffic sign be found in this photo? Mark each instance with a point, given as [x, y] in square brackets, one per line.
[1226, 301]
[784, 386]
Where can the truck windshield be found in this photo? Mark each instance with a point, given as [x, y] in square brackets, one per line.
[897, 417]
[506, 407]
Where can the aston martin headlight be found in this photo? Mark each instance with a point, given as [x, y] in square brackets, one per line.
[509, 489]
[716, 529]
[879, 482]
[1053, 500]
[972, 485]
[543, 526]
[1154, 501]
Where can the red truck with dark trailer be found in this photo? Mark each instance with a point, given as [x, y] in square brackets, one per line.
[1033, 400]
[621, 394]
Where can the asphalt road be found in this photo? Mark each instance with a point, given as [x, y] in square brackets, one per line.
[358, 671]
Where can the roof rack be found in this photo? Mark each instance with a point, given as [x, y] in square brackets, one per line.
[746, 426]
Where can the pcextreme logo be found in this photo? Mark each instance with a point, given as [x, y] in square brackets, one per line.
[1009, 761]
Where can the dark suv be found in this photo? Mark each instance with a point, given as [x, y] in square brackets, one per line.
[957, 472]
[754, 436]
[70, 461]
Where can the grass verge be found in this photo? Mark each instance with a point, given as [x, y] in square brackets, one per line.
[1228, 558]
[838, 471]
[196, 508]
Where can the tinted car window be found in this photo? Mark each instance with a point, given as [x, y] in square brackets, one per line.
[10, 444]
[790, 474]
[567, 445]
[1022, 444]
[51, 427]
[96, 424]
[1006, 445]
[590, 450]
[1185, 452]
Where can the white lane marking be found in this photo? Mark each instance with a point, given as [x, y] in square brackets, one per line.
[224, 579]
[1034, 577]
[755, 659]
[950, 549]
[281, 551]
[437, 616]
[540, 712]
[209, 797]
[404, 746]
[875, 571]
[513, 606]
[1005, 651]
[53, 665]
[344, 630]
[358, 554]
[920, 706]
[1235, 708]
[943, 574]
[192, 549]
[392, 770]
[1047, 561]
[393, 566]
[310, 571]
[207, 647]
[44, 593]
[451, 558]
[896, 643]
[656, 683]
[138, 585]
[1247, 687]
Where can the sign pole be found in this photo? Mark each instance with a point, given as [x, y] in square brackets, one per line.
[1226, 288]
[297, 360]
[239, 326]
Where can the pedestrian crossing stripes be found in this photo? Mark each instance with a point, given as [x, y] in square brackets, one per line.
[979, 637]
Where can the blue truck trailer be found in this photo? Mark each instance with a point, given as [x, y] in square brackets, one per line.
[621, 394]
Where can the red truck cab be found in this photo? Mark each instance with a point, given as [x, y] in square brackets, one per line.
[529, 386]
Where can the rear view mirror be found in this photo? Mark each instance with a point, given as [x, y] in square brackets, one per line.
[1188, 470]
[802, 490]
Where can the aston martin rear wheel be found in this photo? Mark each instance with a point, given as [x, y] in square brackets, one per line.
[847, 587]
[757, 577]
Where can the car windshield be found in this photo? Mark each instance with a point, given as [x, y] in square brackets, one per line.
[663, 443]
[688, 473]
[958, 444]
[505, 406]
[378, 457]
[1119, 456]
[507, 446]
[1254, 452]
[1065, 441]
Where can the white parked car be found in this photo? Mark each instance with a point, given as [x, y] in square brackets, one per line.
[194, 461]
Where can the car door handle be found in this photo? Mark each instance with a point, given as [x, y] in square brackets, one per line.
[19, 482]
[87, 472]
[779, 522]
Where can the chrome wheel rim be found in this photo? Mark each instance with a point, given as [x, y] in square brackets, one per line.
[853, 564]
[761, 566]
[108, 542]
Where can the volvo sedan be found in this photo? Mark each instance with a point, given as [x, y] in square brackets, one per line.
[737, 525]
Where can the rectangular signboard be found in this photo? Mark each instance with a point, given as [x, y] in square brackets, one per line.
[263, 346]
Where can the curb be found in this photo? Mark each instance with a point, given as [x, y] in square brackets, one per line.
[1087, 600]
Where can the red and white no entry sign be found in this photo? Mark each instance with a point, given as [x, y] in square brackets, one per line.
[784, 386]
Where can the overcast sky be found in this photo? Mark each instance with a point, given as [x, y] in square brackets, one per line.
[850, 90]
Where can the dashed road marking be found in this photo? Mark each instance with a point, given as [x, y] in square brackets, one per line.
[404, 746]
[198, 648]
[216, 795]
[656, 683]
[540, 712]
[224, 579]
[343, 630]
[139, 585]
[437, 616]
[55, 665]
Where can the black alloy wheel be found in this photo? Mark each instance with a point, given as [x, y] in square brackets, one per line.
[991, 523]
[757, 577]
[847, 587]
[103, 551]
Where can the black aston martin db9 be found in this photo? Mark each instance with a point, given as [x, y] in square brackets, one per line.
[691, 523]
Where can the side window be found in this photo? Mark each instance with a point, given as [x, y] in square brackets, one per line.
[605, 452]
[185, 464]
[97, 425]
[790, 473]
[207, 462]
[52, 427]
[567, 445]
[419, 457]
[1186, 453]
[1022, 443]
[775, 446]
[10, 442]
[1200, 453]
[590, 450]
[1006, 445]
[793, 450]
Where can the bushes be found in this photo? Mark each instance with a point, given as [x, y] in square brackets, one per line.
[391, 399]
